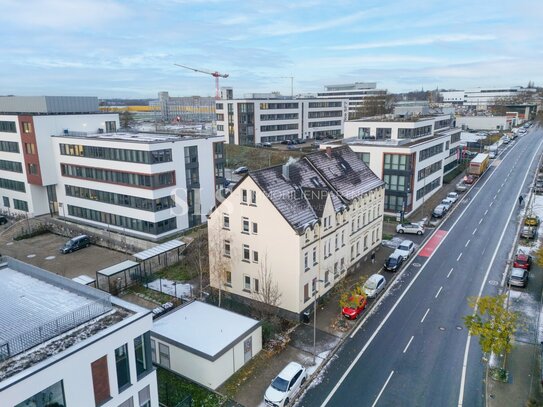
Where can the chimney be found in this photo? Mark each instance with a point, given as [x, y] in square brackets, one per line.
[285, 171]
[329, 151]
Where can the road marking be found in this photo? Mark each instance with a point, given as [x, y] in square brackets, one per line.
[450, 271]
[468, 340]
[499, 190]
[495, 196]
[439, 291]
[480, 221]
[424, 317]
[458, 258]
[408, 343]
[391, 311]
[486, 212]
[491, 203]
[467, 243]
[383, 389]
[475, 230]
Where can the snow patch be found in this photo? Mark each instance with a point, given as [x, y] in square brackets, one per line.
[173, 288]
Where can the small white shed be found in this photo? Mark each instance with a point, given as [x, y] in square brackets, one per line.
[205, 343]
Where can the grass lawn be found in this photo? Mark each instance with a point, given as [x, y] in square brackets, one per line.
[154, 295]
[173, 389]
[256, 158]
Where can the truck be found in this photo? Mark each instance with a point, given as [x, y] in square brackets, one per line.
[478, 165]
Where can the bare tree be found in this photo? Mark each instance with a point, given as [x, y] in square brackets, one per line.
[198, 258]
[221, 255]
[126, 119]
[268, 294]
[371, 106]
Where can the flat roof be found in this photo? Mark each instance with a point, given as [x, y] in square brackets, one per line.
[83, 279]
[159, 249]
[410, 119]
[203, 328]
[136, 137]
[117, 268]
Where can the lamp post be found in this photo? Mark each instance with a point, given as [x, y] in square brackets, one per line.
[315, 292]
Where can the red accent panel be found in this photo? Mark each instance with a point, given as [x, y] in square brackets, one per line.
[431, 245]
[30, 138]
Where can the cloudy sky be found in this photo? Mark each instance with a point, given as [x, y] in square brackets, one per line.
[127, 48]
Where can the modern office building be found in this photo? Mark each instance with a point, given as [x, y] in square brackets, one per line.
[355, 94]
[142, 184]
[27, 169]
[481, 98]
[295, 230]
[192, 109]
[66, 344]
[273, 118]
[411, 155]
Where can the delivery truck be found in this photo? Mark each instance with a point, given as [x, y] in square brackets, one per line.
[478, 165]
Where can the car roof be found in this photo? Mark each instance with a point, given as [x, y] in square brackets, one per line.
[290, 370]
[375, 277]
[440, 206]
[522, 256]
[406, 242]
[518, 272]
[395, 254]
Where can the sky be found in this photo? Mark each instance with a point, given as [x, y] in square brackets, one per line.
[128, 48]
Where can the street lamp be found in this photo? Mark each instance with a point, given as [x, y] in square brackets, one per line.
[315, 318]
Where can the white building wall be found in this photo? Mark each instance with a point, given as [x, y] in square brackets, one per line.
[73, 367]
[484, 122]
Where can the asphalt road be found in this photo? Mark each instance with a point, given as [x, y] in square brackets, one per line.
[414, 350]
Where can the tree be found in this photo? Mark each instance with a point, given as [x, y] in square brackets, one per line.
[350, 299]
[492, 323]
[220, 262]
[198, 258]
[126, 119]
[268, 294]
[371, 106]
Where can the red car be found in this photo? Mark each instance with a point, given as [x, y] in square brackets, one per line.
[523, 261]
[352, 313]
[469, 179]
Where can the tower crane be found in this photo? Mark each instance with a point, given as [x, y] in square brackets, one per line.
[215, 74]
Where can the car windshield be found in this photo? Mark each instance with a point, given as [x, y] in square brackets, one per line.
[371, 284]
[402, 247]
[392, 261]
[517, 273]
[280, 384]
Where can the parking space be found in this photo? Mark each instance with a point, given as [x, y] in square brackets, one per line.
[43, 251]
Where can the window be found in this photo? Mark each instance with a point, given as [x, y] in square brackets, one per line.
[325, 223]
[51, 396]
[227, 248]
[164, 355]
[255, 256]
[253, 197]
[153, 351]
[226, 221]
[314, 286]
[430, 152]
[358, 247]
[306, 261]
[306, 292]
[245, 225]
[32, 169]
[123, 369]
[365, 242]
[247, 283]
[12, 166]
[314, 256]
[8, 127]
[326, 277]
[337, 242]
[128, 403]
[363, 133]
[246, 253]
[144, 397]
[365, 157]
[30, 148]
[342, 238]
[142, 350]
[396, 162]
[100, 380]
[20, 205]
[255, 228]
[6, 201]
[229, 278]
[244, 195]
[27, 127]
[256, 285]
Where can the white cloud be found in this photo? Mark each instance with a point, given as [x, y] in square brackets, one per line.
[428, 40]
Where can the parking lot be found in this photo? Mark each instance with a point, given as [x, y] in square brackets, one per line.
[43, 251]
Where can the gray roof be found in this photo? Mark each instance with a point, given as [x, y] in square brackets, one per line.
[49, 104]
[118, 268]
[159, 249]
[301, 195]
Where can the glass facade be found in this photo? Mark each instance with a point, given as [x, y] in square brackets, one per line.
[313, 105]
[117, 154]
[430, 152]
[123, 221]
[414, 133]
[279, 127]
[265, 106]
[154, 181]
[318, 115]
[397, 177]
[246, 124]
[279, 116]
[52, 396]
[142, 350]
[192, 174]
[122, 365]
[428, 188]
[325, 124]
[432, 168]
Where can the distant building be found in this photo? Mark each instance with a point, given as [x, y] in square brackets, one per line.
[66, 344]
[295, 230]
[481, 98]
[411, 155]
[355, 94]
[412, 107]
[271, 118]
[199, 109]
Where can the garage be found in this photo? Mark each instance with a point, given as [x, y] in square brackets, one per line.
[204, 343]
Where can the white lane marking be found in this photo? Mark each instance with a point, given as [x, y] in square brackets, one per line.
[450, 271]
[503, 183]
[495, 196]
[458, 258]
[480, 221]
[475, 230]
[486, 212]
[468, 340]
[499, 190]
[383, 389]
[467, 243]
[439, 291]
[400, 298]
[491, 203]
[408, 343]
[424, 317]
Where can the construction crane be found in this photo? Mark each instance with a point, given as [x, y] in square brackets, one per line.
[215, 74]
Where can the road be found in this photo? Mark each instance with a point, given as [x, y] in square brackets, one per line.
[414, 350]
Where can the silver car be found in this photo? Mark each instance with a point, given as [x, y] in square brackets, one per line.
[414, 228]
[518, 277]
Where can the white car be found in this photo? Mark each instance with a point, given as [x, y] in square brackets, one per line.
[285, 385]
[447, 203]
[374, 285]
[453, 196]
[410, 228]
[406, 249]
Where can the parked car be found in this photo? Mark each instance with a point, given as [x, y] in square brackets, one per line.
[410, 228]
[405, 249]
[292, 147]
[3, 220]
[353, 312]
[266, 144]
[241, 170]
[393, 262]
[76, 243]
[492, 155]
[452, 196]
[523, 261]
[469, 179]
[285, 385]
[528, 232]
[531, 220]
[506, 140]
[374, 285]
[461, 187]
[287, 142]
[447, 203]
[439, 211]
[518, 277]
